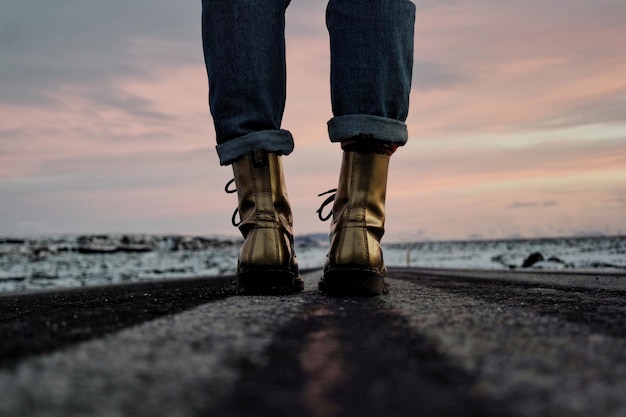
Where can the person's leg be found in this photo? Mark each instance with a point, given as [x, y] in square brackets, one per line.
[244, 49]
[371, 45]
[371, 69]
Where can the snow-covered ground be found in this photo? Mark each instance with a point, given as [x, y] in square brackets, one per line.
[69, 261]
[588, 253]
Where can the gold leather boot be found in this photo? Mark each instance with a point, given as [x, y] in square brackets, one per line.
[267, 262]
[355, 265]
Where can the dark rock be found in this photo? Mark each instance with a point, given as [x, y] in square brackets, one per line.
[556, 260]
[605, 265]
[12, 241]
[532, 259]
[97, 249]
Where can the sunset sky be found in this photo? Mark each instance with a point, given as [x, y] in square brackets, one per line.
[517, 123]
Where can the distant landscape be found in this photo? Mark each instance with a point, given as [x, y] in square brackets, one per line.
[59, 261]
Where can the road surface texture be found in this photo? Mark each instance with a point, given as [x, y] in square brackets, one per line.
[442, 343]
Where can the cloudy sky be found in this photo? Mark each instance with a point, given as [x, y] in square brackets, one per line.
[517, 123]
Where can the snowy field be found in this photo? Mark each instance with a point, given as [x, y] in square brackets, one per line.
[48, 262]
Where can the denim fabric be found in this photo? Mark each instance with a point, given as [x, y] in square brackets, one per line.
[371, 45]
[349, 126]
[277, 141]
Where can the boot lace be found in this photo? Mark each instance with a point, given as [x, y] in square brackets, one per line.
[326, 202]
[230, 190]
[320, 211]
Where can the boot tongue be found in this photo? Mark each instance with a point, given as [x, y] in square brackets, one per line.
[365, 143]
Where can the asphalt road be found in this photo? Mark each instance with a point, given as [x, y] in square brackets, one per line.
[443, 343]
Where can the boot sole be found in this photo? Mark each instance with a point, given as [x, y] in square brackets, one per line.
[353, 282]
[268, 282]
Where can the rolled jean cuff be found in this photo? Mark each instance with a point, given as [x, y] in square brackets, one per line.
[342, 128]
[276, 141]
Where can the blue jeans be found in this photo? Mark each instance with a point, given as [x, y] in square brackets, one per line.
[371, 44]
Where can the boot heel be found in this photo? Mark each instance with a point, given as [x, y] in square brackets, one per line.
[268, 282]
[349, 282]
